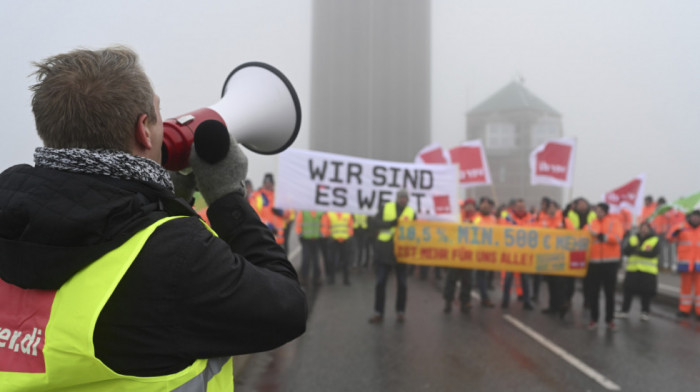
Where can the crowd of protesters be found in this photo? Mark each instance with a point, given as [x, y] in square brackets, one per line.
[659, 239]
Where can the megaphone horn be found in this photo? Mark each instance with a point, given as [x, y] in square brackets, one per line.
[258, 106]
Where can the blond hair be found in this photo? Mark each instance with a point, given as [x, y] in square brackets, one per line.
[91, 99]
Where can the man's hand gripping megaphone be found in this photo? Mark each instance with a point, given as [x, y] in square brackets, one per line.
[214, 173]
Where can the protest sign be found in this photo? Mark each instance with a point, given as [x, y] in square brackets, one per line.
[319, 181]
[501, 248]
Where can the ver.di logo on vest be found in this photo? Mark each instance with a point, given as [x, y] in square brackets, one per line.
[24, 315]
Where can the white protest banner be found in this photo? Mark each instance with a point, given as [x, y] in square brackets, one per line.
[433, 153]
[552, 163]
[320, 181]
[473, 167]
[629, 196]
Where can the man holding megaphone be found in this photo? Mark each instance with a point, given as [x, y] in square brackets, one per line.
[108, 280]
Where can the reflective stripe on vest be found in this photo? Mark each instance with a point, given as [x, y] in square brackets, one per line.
[310, 225]
[340, 225]
[388, 215]
[68, 351]
[649, 265]
[220, 367]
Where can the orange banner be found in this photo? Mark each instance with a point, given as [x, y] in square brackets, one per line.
[502, 248]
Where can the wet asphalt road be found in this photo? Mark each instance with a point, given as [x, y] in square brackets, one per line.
[486, 349]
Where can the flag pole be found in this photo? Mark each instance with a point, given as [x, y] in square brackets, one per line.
[573, 168]
[493, 193]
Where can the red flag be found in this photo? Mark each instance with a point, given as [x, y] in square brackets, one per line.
[433, 153]
[552, 163]
[473, 167]
[629, 196]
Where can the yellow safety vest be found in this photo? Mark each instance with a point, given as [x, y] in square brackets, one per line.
[68, 352]
[340, 225]
[575, 221]
[649, 265]
[360, 221]
[388, 215]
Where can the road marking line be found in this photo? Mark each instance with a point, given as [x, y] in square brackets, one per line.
[575, 362]
[666, 287]
[294, 253]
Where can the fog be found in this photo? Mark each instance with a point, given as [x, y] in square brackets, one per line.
[622, 74]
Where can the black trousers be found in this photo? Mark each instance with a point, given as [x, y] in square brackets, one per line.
[561, 291]
[602, 275]
[339, 257]
[458, 274]
[363, 244]
[384, 263]
[646, 301]
[310, 256]
[383, 270]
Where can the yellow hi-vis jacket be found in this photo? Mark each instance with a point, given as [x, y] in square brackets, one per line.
[388, 215]
[574, 219]
[649, 265]
[67, 350]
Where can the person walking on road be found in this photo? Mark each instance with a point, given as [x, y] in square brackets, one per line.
[552, 219]
[485, 217]
[338, 228]
[604, 262]
[263, 202]
[686, 235]
[519, 217]
[642, 269]
[578, 217]
[308, 226]
[462, 275]
[362, 242]
[385, 259]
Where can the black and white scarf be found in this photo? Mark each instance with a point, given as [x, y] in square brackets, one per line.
[111, 163]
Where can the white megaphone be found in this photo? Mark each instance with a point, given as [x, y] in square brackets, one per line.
[258, 107]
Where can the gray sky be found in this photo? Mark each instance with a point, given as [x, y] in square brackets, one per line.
[622, 73]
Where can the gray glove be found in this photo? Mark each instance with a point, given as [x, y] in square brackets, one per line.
[184, 184]
[223, 177]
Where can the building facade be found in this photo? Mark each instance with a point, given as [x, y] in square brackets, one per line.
[370, 78]
[512, 123]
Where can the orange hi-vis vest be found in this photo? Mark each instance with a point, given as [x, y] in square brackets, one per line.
[485, 220]
[610, 250]
[647, 210]
[661, 223]
[688, 246]
[468, 218]
[552, 222]
[262, 202]
[625, 217]
[513, 219]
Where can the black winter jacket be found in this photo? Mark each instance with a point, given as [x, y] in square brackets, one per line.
[188, 294]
